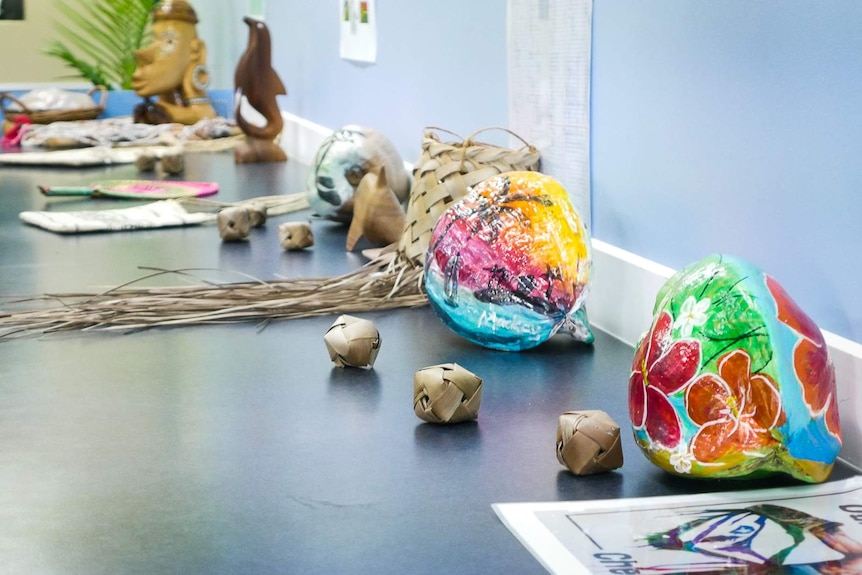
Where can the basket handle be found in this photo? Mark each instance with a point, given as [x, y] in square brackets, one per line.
[102, 97]
[507, 130]
[450, 132]
[8, 96]
[470, 139]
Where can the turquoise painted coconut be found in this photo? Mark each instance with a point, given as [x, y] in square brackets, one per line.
[733, 379]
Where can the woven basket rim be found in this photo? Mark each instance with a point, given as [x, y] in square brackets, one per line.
[471, 139]
[48, 116]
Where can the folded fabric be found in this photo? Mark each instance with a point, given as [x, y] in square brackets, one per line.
[84, 157]
[122, 131]
[161, 214]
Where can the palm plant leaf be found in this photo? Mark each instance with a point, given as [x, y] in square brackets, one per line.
[91, 36]
[85, 45]
[98, 38]
[92, 74]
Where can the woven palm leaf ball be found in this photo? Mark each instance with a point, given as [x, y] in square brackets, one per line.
[352, 342]
[509, 264]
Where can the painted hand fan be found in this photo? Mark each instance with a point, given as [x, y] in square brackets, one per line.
[136, 189]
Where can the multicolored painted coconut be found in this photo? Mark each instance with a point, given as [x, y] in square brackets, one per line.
[733, 379]
[509, 264]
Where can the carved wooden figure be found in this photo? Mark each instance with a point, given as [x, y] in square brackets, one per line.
[173, 69]
[257, 84]
[377, 213]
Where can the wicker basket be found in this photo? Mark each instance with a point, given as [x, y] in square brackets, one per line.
[444, 173]
[48, 116]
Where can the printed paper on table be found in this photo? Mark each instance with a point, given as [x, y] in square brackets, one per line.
[805, 529]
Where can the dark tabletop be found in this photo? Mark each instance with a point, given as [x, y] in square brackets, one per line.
[230, 449]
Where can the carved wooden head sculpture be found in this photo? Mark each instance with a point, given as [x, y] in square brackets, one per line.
[173, 68]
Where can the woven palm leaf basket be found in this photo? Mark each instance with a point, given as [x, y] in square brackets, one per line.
[15, 109]
[444, 173]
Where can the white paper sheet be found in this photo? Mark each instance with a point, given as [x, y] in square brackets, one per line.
[742, 531]
[549, 50]
[161, 214]
[358, 21]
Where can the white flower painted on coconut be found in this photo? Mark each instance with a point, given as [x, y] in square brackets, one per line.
[681, 459]
[691, 314]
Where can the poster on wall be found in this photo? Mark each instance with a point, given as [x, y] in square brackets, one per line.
[11, 9]
[358, 21]
[805, 529]
[549, 46]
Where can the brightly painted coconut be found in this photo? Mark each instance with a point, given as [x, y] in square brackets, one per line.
[509, 264]
[342, 161]
[733, 379]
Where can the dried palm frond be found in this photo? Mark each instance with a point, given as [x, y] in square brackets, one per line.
[391, 280]
[372, 287]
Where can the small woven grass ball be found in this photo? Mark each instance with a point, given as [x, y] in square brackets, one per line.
[173, 163]
[352, 342]
[256, 214]
[295, 235]
[234, 223]
[146, 162]
[588, 442]
[446, 393]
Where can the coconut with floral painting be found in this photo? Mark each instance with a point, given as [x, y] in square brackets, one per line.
[733, 379]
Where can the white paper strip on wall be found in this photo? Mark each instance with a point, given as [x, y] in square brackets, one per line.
[358, 30]
[549, 87]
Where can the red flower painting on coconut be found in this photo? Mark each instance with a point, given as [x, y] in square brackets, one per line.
[735, 409]
[661, 367]
[810, 359]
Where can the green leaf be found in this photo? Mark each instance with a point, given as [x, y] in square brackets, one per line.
[90, 73]
[98, 38]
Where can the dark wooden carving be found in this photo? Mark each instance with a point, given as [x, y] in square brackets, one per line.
[257, 83]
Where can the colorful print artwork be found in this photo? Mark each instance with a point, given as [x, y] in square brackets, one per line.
[733, 379]
[761, 538]
[509, 264]
[797, 529]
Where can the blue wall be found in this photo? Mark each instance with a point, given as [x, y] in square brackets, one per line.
[735, 126]
[439, 63]
[721, 125]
